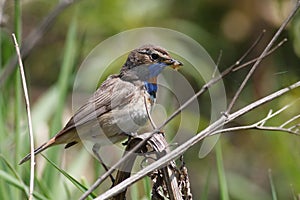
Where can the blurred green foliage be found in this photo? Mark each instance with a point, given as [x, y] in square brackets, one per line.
[230, 26]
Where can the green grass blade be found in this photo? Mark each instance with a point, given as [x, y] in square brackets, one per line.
[147, 187]
[221, 173]
[15, 173]
[15, 179]
[16, 183]
[134, 192]
[204, 195]
[294, 195]
[76, 183]
[273, 189]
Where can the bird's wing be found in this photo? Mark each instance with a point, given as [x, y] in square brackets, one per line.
[112, 93]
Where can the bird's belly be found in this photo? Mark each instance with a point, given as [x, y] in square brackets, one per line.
[127, 119]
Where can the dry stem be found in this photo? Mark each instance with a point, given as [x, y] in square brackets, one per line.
[31, 187]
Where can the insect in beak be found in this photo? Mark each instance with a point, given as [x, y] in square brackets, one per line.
[175, 64]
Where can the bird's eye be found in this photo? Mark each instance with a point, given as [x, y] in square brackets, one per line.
[154, 56]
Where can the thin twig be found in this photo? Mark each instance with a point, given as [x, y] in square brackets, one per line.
[255, 59]
[258, 39]
[149, 114]
[268, 117]
[263, 54]
[217, 63]
[255, 126]
[31, 187]
[260, 124]
[275, 128]
[271, 114]
[295, 126]
[290, 120]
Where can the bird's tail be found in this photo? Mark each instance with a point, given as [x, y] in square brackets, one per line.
[38, 150]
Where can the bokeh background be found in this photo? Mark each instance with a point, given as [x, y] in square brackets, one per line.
[255, 164]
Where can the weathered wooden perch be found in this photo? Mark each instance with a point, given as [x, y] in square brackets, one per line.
[169, 182]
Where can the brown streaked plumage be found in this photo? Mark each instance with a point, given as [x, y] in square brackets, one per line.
[117, 108]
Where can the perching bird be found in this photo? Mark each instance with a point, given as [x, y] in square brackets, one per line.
[120, 106]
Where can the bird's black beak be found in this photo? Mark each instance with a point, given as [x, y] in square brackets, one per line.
[175, 64]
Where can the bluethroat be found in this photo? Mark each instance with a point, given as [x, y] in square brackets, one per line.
[120, 106]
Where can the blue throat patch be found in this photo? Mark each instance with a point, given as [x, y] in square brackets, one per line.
[155, 69]
[151, 89]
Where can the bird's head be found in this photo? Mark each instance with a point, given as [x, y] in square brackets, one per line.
[147, 62]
